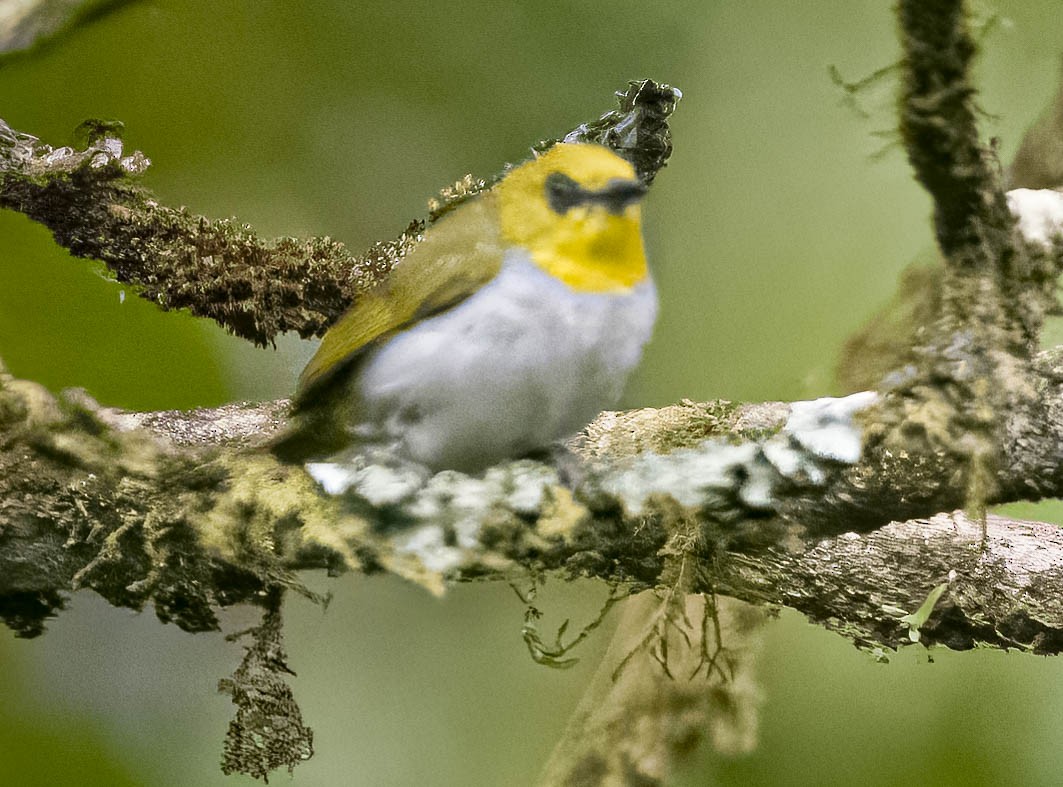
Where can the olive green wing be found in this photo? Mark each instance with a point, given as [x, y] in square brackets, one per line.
[458, 255]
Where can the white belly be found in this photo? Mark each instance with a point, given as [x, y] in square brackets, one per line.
[523, 362]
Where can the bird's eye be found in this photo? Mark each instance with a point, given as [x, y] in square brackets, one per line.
[563, 193]
[620, 193]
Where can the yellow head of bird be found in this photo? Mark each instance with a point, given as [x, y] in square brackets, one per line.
[575, 209]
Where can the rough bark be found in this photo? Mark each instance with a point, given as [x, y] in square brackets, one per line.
[182, 510]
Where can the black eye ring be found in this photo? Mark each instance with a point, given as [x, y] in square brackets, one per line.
[563, 193]
[619, 193]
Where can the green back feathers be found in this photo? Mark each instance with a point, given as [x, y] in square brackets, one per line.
[459, 254]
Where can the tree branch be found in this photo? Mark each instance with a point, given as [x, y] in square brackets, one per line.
[183, 511]
[938, 124]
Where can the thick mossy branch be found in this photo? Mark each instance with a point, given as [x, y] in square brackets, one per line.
[161, 509]
[940, 131]
[891, 340]
[220, 268]
[970, 383]
[995, 282]
[133, 517]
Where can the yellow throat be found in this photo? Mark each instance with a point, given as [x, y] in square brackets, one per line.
[586, 244]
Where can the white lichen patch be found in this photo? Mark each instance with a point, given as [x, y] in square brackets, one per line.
[428, 544]
[1039, 213]
[527, 482]
[758, 490]
[374, 474]
[447, 510]
[335, 478]
[443, 515]
[792, 461]
[817, 434]
[687, 475]
[826, 427]
[58, 156]
[376, 477]
[463, 502]
[98, 154]
[456, 500]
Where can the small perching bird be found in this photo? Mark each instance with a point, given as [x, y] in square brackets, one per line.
[513, 322]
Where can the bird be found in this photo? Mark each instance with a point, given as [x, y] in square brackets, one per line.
[514, 321]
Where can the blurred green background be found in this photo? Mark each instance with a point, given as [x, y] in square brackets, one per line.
[774, 233]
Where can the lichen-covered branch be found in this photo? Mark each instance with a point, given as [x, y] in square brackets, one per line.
[999, 285]
[153, 509]
[891, 339]
[970, 386]
[938, 123]
[220, 269]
